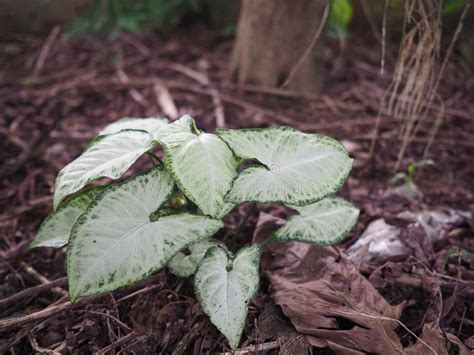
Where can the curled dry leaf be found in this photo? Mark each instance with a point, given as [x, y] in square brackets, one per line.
[329, 301]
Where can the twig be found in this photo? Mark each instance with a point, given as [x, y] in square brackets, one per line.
[8, 323]
[123, 77]
[308, 50]
[42, 279]
[139, 292]
[45, 50]
[165, 100]
[218, 108]
[214, 93]
[384, 37]
[255, 348]
[186, 340]
[32, 291]
[115, 319]
[117, 343]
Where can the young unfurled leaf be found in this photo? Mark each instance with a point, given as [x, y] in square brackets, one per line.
[298, 168]
[224, 286]
[108, 156]
[151, 125]
[202, 165]
[114, 243]
[325, 222]
[56, 228]
[185, 262]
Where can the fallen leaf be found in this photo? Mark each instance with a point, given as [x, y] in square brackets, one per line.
[330, 302]
[273, 325]
[379, 241]
[437, 223]
[432, 338]
[463, 349]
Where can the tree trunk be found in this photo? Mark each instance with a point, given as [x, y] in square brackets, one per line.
[272, 36]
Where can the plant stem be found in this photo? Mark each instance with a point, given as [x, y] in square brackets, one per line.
[244, 220]
[236, 232]
[154, 158]
[269, 239]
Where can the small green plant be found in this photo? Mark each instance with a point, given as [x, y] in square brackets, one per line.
[340, 17]
[454, 252]
[124, 232]
[114, 16]
[404, 179]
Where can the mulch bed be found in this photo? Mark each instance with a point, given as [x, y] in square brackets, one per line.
[56, 94]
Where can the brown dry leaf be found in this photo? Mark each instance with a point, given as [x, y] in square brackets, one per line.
[273, 325]
[431, 336]
[328, 300]
[462, 348]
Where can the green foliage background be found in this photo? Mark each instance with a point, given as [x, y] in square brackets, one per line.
[114, 16]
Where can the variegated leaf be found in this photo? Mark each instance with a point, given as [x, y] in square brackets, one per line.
[56, 228]
[297, 168]
[185, 262]
[325, 222]
[151, 125]
[202, 165]
[108, 156]
[224, 286]
[114, 243]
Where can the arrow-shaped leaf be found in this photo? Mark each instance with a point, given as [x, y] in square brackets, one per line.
[297, 168]
[108, 156]
[114, 243]
[325, 222]
[224, 286]
[56, 228]
[202, 165]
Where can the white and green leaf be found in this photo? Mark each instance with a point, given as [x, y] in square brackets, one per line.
[202, 165]
[224, 286]
[114, 243]
[185, 262]
[151, 125]
[108, 156]
[56, 228]
[297, 168]
[325, 222]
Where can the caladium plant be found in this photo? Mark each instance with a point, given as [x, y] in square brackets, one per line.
[121, 233]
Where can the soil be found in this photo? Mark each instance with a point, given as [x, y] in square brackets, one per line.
[56, 94]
